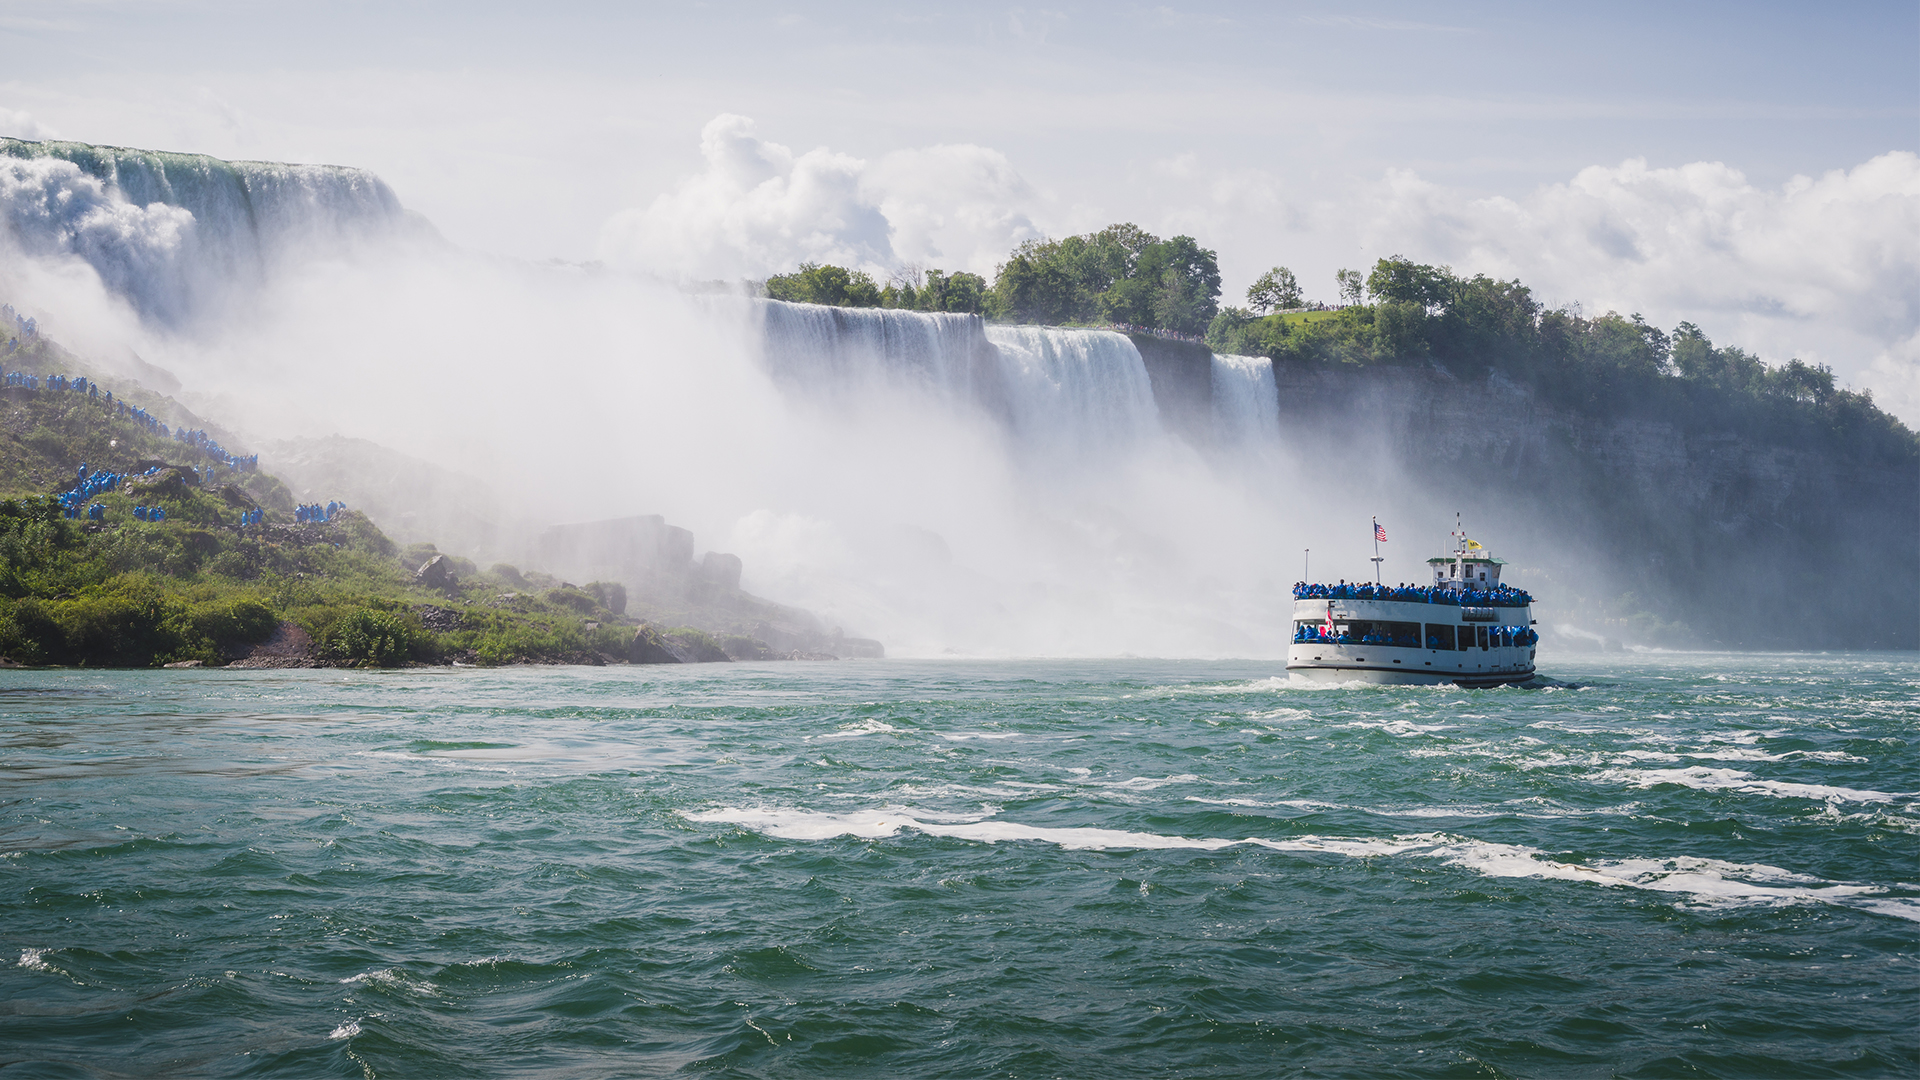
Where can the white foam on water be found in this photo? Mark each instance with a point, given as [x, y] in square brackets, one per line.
[863, 727]
[1478, 811]
[1281, 714]
[1247, 802]
[1145, 783]
[346, 1030]
[965, 736]
[35, 960]
[1706, 779]
[1706, 881]
[1003, 790]
[1404, 729]
[1753, 754]
[392, 979]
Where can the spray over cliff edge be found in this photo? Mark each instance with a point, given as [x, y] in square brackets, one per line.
[931, 480]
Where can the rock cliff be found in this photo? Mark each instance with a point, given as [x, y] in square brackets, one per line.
[1683, 531]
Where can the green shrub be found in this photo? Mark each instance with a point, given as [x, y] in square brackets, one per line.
[243, 619]
[610, 594]
[698, 644]
[130, 622]
[28, 634]
[367, 638]
[573, 600]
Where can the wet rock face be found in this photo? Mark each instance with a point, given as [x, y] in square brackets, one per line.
[1711, 523]
[649, 647]
[437, 573]
[721, 568]
[289, 647]
[439, 619]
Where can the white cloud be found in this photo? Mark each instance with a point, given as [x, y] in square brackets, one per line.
[959, 207]
[758, 208]
[1826, 268]
[21, 125]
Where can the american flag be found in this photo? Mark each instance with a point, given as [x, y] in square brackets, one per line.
[1379, 532]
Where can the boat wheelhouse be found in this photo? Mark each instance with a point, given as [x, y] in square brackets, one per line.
[1465, 627]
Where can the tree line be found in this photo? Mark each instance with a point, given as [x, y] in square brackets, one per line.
[1400, 312]
[1121, 274]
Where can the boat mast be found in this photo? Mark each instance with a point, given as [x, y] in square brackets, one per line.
[1376, 551]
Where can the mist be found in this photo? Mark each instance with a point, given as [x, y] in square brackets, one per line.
[1056, 513]
[944, 486]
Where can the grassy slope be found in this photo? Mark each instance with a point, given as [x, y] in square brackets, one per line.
[125, 592]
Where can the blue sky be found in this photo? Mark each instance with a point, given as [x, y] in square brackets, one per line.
[1311, 135]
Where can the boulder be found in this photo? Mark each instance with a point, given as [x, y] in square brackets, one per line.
[649, 647]
[439, 619]
[437, 573]
[721, 568]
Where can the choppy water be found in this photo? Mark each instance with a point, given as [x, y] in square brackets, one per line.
[1691, 866]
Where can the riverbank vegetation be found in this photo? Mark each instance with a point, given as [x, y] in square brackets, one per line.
[194, 587]
[1399, 313]
[121, 586]
[1605, 365]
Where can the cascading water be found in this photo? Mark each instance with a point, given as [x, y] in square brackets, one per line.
[1077, 390]
[824, 350]
[1083, 389]
[1246, 403]
[171, 233]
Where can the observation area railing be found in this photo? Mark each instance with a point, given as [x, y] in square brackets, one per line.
[1502, 596]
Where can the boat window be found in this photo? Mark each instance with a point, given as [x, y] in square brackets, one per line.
[1466, 636]
[1482, 635]
[1439, 636]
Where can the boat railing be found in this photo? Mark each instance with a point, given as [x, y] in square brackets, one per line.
[1502, 596]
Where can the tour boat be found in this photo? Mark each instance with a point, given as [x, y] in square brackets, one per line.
[1466, 627]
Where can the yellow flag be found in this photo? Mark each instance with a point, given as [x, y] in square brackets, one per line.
[1472, 544]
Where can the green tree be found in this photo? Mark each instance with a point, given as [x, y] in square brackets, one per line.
[1175, 285]
[1275, 289]
[1042, 282]
[1229, 331]
[1349, 283]
[813, 283]
[1401, 280]
[1121, 273]
[959, 292]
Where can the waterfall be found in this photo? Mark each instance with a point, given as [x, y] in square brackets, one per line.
[171, 233]
[1246, 403]
[828, 350]
[1080, 389]
[1083, 390]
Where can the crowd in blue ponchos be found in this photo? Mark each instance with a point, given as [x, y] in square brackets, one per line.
[200, 441]
[26, 326]
[1498, 596]
[88, 483]
[1346, 637]
[1498, 637]
[75, 503]
[79, 384]
[197, 439]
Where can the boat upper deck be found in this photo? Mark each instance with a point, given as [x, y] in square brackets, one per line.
[1498, 596]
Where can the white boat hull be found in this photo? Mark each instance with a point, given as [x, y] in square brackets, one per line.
[1484, 663]
[1343, 674]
